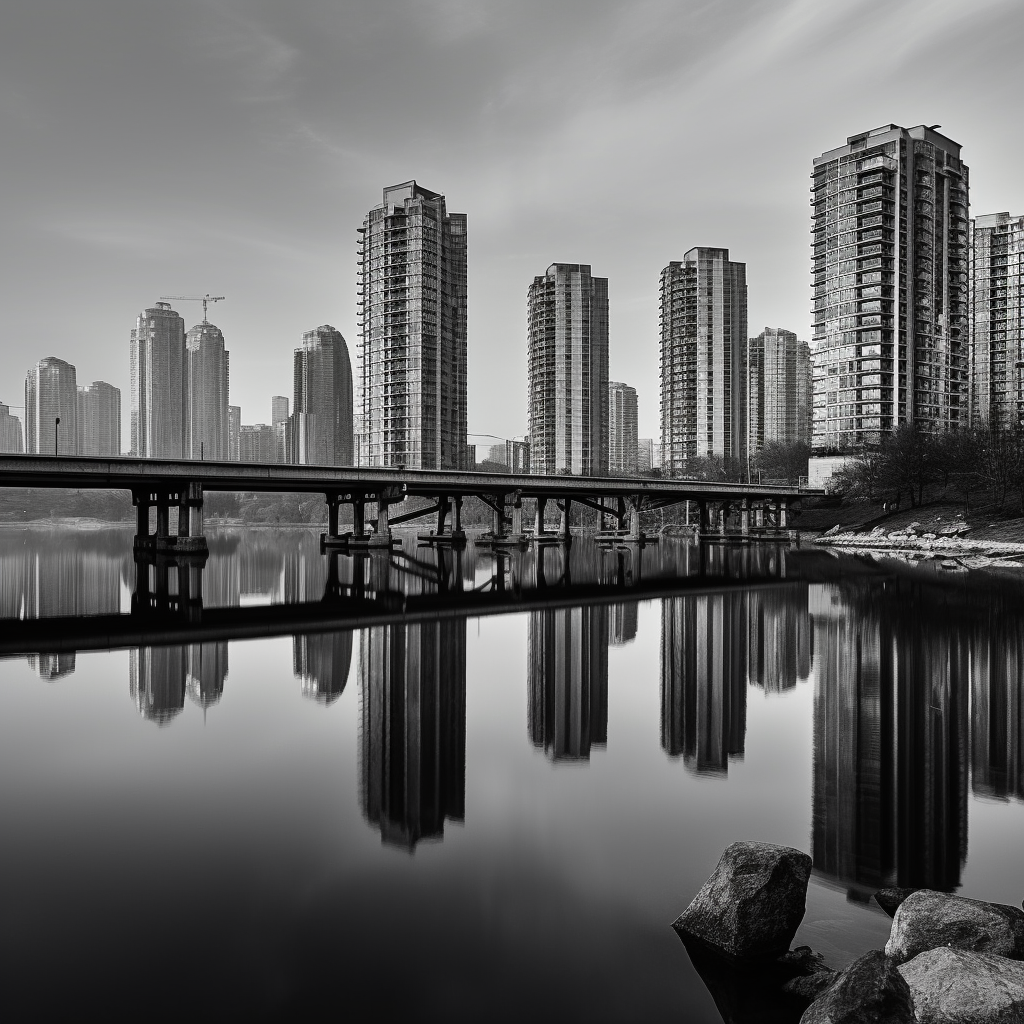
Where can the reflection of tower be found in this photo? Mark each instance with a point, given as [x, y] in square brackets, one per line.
[890, 739]
[567, 655]
[156, 681]
[704, 680]
[997, 711]
[781, 638]
[321, 662]
[207, 668]
[413, 706]
[53, 666]
[624, 619]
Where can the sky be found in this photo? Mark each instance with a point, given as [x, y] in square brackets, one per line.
[234, 146]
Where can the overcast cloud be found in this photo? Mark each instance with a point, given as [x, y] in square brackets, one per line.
[233, 147]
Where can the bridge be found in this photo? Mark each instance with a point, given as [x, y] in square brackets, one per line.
[723, 506]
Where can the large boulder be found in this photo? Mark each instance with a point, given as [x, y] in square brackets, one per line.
[954, 986]
[927, 920]
[752, 905]
[890, 899]
[870, 991]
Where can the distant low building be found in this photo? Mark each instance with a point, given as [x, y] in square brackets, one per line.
[257, 442]
[517, 455]
[821, 469]
[234, 428]
[644, 454]
[12, 441]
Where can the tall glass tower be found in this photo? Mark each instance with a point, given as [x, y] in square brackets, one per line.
[411, 362]
[99, 419]
[51, 392]
[206, 394]
[321, 433]
[567, 369]
[890, 280]
[157, 364]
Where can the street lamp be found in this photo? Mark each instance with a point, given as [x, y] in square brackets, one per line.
[56, 424]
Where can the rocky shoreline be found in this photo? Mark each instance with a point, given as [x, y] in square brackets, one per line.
[949, 960]
[949, 543]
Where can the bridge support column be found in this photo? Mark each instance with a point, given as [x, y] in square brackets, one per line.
[517, 516]
[333, 502]
[141, 500]
[163, 517]
[538, 528]
[745, 517]
[703, 523]
[457, 530]
[725, 509]
[783, 514]
[443, 507]
[634, 517]
[358, 517]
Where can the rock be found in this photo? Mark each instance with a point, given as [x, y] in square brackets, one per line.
[752, 905]
[762, 991]
[927, 920]
[914, 527]
[832, 532]
[890, 899]
[954, 986]
[928, 536]
[870, 990]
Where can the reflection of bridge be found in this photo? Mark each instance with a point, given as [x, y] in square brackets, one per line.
[163, 485]
[368, 589]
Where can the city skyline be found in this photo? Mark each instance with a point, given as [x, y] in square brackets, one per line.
[174, 225]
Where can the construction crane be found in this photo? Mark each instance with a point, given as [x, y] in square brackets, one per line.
[204, 299]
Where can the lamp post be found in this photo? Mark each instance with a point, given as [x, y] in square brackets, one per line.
[56, 424]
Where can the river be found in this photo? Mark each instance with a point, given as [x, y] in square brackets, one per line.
[479, 788]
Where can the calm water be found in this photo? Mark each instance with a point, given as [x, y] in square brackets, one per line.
[496, 804]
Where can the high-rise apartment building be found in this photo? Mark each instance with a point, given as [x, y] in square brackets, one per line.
[517, 455]
[567, 369]
[890, 278]
[205, 392]
[321, 432]
[234, 430]
[411, 366]
[997, 330]
[778, 389]
[157, 368]
[623, 446]
[12, 439]
[703, 346]
[51, 393]
[279, 420]
[99, 419]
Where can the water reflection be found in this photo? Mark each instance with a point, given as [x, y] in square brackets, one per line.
[567, 681]
[412, 766]
[917, 682]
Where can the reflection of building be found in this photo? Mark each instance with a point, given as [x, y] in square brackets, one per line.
[412, 358]
[206, 670]
[321, 662]
[567, 659]
[53, 666]
[622, 429]
[51, 394]
[321, 433]
[157, 366]
[781, 638]
[205, 387]
[890, 743]
[413, 706]
[997, 710]
[703, 342]
[704, 680]
[156, 681]
[567, 369]
[99, 419]
[623, 619]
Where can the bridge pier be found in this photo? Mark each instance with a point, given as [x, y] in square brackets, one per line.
[189, 537]
[538, 529]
